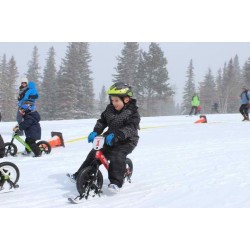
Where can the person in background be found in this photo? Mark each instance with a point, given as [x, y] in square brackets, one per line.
[27, 92]
[22, 90]
[195, 104]
[215, 107]
[245, 97]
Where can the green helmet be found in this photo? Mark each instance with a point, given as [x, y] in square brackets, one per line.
[120, 89]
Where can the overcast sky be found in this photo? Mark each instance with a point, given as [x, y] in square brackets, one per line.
[204, 55]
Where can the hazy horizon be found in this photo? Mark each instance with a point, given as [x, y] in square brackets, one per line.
[204, 55]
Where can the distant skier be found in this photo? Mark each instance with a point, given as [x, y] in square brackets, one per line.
[245, 104]
[215, 108]
[122, 119]
[195, 104]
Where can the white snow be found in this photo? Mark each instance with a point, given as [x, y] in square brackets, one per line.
[177, 164]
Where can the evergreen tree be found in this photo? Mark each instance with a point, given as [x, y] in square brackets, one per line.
[246, 74]
[85, 105]
[207, 92]
[4, 88]
[232, 86]
[128, 64]
[1, 87]
[11, 92]
[138, 88]
[219, 91]
[156, 89]
[48, 89]
[189, 89]
[75, 95]
[33, 73]
[103, 99]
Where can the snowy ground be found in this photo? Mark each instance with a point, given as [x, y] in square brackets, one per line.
[177, 164]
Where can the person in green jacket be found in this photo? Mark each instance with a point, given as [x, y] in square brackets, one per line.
[195, 104]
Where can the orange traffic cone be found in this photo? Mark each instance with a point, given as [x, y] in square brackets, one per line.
[56, 140]
[203, 119]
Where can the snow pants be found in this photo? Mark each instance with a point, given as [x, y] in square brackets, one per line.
[194, 108]
[244, 110]
[32, 143]
[117, 156]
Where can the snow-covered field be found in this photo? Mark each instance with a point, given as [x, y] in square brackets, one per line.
[177, 164]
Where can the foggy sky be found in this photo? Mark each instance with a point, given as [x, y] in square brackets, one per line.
[178, 55]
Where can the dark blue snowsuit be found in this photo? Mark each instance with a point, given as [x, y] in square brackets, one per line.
[32, 130]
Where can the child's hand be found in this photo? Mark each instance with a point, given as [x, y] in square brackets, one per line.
[16, 128]
[110, 139]
[92, 136]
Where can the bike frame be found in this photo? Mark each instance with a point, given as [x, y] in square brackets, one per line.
[18, 138]
[97, 145]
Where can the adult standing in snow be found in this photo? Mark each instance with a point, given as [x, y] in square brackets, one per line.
[195, 104]
[122, 119]
[245, 104]
[27, 92]
[215, 107]
[22, 90]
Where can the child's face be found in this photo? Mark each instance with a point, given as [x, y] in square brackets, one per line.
[118, 103]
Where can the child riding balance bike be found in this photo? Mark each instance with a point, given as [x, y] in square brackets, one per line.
[121, 118]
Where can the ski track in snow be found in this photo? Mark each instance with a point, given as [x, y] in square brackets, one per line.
[176, 164]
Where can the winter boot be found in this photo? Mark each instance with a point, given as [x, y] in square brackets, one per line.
[114, 187]
[246, 118]
[26, 153]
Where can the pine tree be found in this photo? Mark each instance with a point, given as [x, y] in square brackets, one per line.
[33, 73]
[232, 85]
[48, 88]
[219, 91]
[156, 89]
[75, 95]
[189, 89]
[246, 74]
[128, 64]
[103, 99]
[1, 87]
[207, 92]
[4, 89]
[85, 104]
[138, 88]
[11, 94]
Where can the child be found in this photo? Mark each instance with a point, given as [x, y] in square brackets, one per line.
[122, 119]
[31, 127]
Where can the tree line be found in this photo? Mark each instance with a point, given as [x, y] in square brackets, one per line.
[224, 88]
[68, 92]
